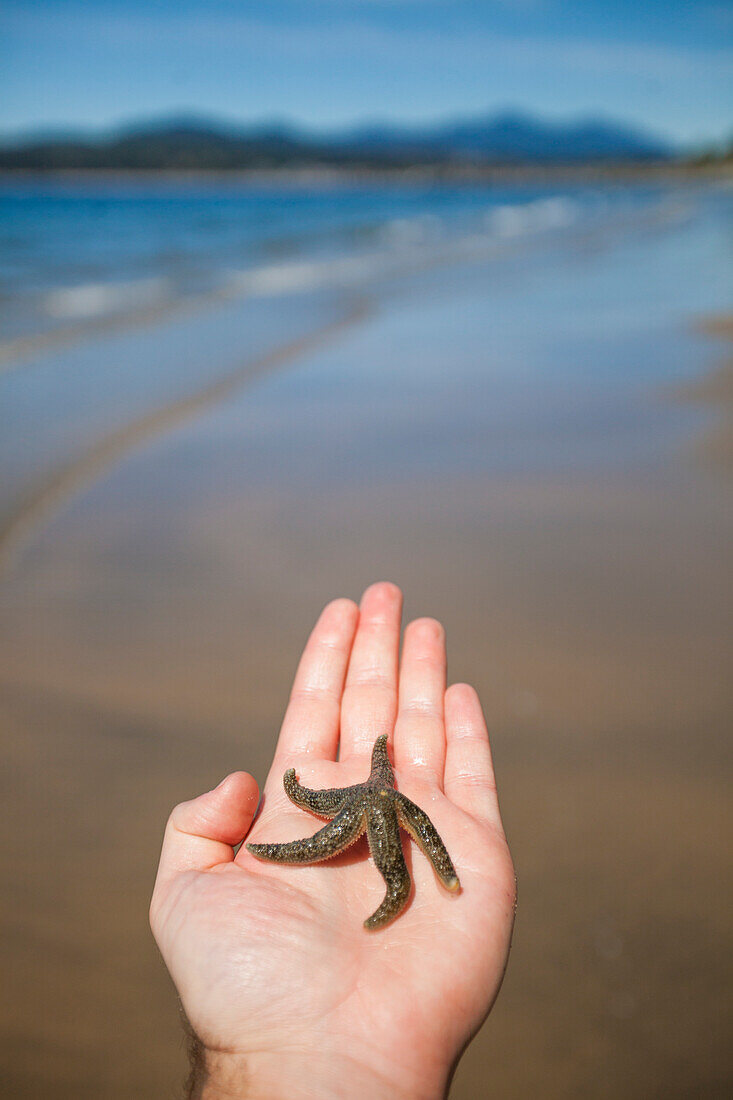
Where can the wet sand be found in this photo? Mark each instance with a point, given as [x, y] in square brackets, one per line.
[504, 447]
[715, 390]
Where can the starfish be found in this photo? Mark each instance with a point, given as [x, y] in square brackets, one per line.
[373, 806]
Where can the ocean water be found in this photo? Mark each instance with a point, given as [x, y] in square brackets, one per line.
[80, 253]
[128, 307]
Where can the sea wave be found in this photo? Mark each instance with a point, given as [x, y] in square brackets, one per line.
[300, 275]
[89, 300]
[517, 219]
[405, 244]
[356, 252]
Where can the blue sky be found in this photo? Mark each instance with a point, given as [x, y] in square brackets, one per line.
[664, 66]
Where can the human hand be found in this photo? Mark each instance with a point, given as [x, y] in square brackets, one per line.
[288, 994]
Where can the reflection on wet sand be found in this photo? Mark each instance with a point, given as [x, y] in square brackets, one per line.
[715, 390]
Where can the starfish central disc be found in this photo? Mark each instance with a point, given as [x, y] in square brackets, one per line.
[374, 807]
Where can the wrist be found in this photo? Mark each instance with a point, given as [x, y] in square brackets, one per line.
[304, 1076]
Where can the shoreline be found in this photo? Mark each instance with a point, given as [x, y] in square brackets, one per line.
[42, 499]
[326, 176]
[357, 270]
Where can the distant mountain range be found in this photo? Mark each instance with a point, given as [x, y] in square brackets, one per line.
[186, 142]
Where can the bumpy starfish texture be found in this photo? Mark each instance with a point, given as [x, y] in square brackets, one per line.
[377, 808]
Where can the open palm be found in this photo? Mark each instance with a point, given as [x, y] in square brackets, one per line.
[282, 984]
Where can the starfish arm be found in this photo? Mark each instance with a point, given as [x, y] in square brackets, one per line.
[381, 773]
[424, 833]
[346, 827]
[383, 832]
[324, 803]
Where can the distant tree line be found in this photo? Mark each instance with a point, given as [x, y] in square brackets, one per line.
[199, 151]
[187, 145]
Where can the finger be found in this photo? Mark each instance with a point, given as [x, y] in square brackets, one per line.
[469, 771]
[370, 696]
[202, 833]
[419, 741]
[311, 723]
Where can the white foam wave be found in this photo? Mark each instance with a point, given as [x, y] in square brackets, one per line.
[272, 280]
[96, 299]
[420, 230]
[514, 220]
[406, 243]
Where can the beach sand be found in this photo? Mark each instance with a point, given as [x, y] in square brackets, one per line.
[715, 390]
[489, 444]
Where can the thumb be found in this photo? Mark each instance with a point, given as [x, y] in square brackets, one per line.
[202, 833]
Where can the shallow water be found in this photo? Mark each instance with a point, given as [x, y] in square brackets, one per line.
[664, 253]
[77, 252]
